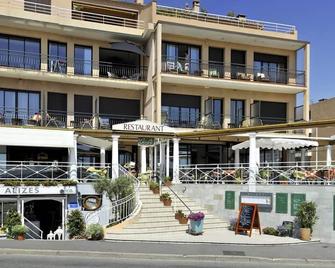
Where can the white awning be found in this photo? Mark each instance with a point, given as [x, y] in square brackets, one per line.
[278, 144]
[36, 137]
[95, 142]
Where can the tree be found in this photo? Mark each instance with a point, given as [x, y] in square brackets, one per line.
[12, 219]
[75, 223]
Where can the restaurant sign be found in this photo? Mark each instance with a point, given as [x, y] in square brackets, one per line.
[142, 126]
[37, 190]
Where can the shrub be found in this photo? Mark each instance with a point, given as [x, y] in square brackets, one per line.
[153, 185]
[94, 232]
[19, 230]
[270, 231]
[75, 223]
[12, 219]
[306, 215]
[165, 196]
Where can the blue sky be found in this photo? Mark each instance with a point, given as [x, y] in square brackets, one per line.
[313, 19]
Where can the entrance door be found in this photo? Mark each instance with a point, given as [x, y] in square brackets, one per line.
[45, 214]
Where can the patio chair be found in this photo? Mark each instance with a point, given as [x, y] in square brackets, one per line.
[112, 75]
[170, 66]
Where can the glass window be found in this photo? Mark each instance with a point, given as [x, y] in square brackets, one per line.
[57, 57]
[32, 54]
[83, 60]
[3, 50]
[217, 111]
[16, 52]
[237, 113]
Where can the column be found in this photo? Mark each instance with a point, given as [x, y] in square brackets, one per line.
[102, 157]
[161, 159]
[143, 159]
[237, 157]
[70, 109]
[329, 156]
[151, 158]
[252, 162]
[158, 73]
[176, 160]
[115, 156]
[227, 61]
[63, 219]
[155, 158]
[307, 81]
[167, 165]
[227, 115]
[22, 212]
[72, 158]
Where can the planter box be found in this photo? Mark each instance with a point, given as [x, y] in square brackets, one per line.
[167, 202]
[196, 227]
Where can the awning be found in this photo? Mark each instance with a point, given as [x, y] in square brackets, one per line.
[126, 46]
[36, 137]
[278, 144]
[95, 142]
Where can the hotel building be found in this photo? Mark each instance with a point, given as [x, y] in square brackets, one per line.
[72, 73]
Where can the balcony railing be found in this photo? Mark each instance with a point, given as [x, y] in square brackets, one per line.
[299, 113]
[225, 20]
[61, 119]
[64, 13]
[220, 70]
[56, 64]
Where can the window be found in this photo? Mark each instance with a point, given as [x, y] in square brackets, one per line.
[216, 62]
[18, 106]
[57, 57]
[214, 108]
[20, 52]
[57, 109]
[237, 112]
[83, 60]
[38, 6]
[269, 112]
[83, 110]
[238, 58]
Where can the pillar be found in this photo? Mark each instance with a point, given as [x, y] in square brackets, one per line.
[329, 156]
[151, 158]
[252, 162]
[143, 159]
[161, 159]
[155, 158]
[72, 158]
[227, 115]
[237, 157]
[176, 160]
[115, 156]
[307, 62]
[158, 94]
[167, 165]
[102, 157]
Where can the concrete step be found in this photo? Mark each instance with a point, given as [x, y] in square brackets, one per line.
[169, 223]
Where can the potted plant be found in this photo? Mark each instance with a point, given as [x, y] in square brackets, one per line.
[178, 214]
[19, 231]
[154, 187]
[196, 223]
[167, 181]
[166, 198]
[183, 219]
[307, 217]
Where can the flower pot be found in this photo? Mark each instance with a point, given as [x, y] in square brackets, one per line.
[167, 202]
[196, 227]
[177, 216]
[20, 237]
[155, 191]
[183, 220]
[305, 234]
[168, 183]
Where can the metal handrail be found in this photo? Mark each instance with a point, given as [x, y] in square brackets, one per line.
[229, 20]
[38, 229]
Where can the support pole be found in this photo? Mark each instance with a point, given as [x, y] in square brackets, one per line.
[237, 157]
[167, 166]
[115, 156]
[252, 162]
[143, 159]
[329, 156]
[102, 157]
[176, 160]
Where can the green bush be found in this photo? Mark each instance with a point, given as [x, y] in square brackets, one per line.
[12, 219]
[94, 232]
[75, 224]
[165, 196]
[19, 230]
[306, 215]
[270, 231]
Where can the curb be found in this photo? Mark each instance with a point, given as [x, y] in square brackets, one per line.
[174, 257]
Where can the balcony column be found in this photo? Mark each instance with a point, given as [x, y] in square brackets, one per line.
[227, 61]
[176, 160]
[155, 158]
[143, 159]
[250, 63]
[158, 92]
[227, 115]
[204, 59]
[115, 156]
[151, 158]
[72, 159]
[70, 109]
[102, 157]
[252, 162]
[329, 155]
[167, 165]
[44, 54]
[307, 60]
[161, 159]
[95, 64]
[237, 157]
[70, 58]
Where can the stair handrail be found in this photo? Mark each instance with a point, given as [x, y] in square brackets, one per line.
[30, 229]
[176, 195]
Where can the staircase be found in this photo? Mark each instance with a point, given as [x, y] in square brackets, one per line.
[155, 218]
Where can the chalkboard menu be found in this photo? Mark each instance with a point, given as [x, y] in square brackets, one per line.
[248, 219]
[230, 200]
[296, 200]
[281, 203]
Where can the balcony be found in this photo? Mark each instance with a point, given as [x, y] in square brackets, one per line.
[239, 23]
[66, 70]
[61, 119]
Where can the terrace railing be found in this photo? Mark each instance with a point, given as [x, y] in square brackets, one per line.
[225, 20]
[285, 173]
[65, 13]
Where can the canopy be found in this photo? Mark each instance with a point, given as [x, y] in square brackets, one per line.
[277, 144]
[126, 46]
[95, 142]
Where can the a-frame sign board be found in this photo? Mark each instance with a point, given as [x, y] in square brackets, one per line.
[248, 219]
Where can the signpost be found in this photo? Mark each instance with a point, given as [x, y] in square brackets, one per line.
[248, 219]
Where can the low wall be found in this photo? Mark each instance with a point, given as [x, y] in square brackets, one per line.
[213, 198]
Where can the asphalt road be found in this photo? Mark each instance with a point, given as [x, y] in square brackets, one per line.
[29, 261]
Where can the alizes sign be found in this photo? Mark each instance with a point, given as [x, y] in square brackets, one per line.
[37, 190]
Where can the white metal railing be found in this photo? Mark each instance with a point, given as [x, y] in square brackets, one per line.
[34, 232]
[227, 20]
[288, 173]
[122, 209]
[72, 14]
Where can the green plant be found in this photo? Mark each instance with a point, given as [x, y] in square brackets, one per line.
[180, 212]
[264, 174]
[153, 185]
[167, 179]
[165, 196]
[75, 224]
[12, 219]
[94, 232]
[19, 230]
[306, 215]
[270, 231]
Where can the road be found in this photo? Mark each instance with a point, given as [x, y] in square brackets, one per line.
[29, 261]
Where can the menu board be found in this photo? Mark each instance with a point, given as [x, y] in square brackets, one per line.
[230, 200]
[248, 219]
[296, 200]
[281, 203]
